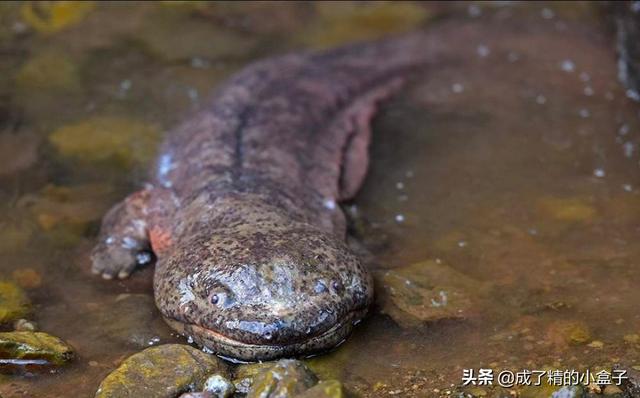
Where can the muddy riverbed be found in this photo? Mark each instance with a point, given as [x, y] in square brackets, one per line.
[501, 208]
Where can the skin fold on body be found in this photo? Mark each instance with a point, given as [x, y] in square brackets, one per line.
[241, 212]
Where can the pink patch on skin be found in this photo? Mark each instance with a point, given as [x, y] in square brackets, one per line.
[160, 239]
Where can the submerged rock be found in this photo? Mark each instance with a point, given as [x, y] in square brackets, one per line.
[14, 303]
[631, 384]
[283, 379]
[245, 374]
[566, 332]
[33, 348]
[219, 387]
[424, 292]
[164, 371]
[50, 17]
[342, 22]
[567, 209]
[102, 139]
[325, 389]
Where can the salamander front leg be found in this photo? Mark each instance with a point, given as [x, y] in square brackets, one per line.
[124, 239]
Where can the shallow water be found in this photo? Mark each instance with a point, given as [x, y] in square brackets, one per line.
[517, 169]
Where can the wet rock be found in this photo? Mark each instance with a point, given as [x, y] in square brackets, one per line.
[548, 391]
[50, 17]
[245, 374]
[14, 303]
[349, 21]
[48, 89]
[33, 348]
[424, 292]
[286, 378]
[219, 387]
[631, 385]
[124, 142]
[48, 71]
[23, 325]
[203, 39]
[325, 389]
[161, 372]
[201, 394]
[565, 332]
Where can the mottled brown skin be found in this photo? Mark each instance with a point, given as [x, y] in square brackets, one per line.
[241, 214]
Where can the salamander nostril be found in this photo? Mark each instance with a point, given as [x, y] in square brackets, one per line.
[337, 286]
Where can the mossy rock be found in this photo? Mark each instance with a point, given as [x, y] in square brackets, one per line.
[119, 141]
[164, 371]
[52, 16]
[14, 303]
[286, 378]
[340, 22]
[325, 389]
[28, 346]
[425, 292]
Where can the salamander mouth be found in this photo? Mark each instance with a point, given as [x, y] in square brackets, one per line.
[231, 348]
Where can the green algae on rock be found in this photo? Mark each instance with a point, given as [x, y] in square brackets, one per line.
[164, 371]
[325, 389]
[48, 71]
[349, 21]
[285, 378]
[30, 348]
[244, 375]
[50, 17]
[424, 292]
[14, 303]
[123, 141]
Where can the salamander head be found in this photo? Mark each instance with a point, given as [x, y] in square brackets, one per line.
[261, 288]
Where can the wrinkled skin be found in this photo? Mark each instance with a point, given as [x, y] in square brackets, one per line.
[242, 214]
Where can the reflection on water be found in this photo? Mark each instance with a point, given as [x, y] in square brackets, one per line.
[505, 188]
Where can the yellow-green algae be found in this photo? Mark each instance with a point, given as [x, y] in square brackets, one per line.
[35, 345]
[53, 16]
[339, 22]
[14, 303]
[164, 371]
[325, 389]
[285, 378]
[48, 71]
[103, 138]
[573, 209]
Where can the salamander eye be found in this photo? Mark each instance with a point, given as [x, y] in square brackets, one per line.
[221, 298]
